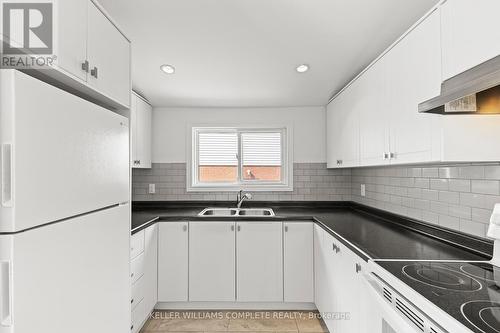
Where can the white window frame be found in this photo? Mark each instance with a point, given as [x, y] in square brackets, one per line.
[285, 184]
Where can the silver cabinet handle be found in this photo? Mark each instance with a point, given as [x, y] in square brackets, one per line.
[132, 275]
[386, 156]
[392, 155]
[286, 228]
[335, 248]
[93, 72]
[232, 228]
[85, 66]
[131, 327]
[358, 268]
[184, 228]
[132, 301]
[239, 228]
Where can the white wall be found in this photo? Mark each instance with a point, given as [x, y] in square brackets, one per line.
[170, 128]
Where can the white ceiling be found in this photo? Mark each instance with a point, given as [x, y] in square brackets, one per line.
[243, 53]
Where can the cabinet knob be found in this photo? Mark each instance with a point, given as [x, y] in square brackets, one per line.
[184, 228]
[132, 275]
[131, 327]
[93, 72]
[232, 228]
[358, 268]
[132, 301]
[386, 156]
[85, 66]
[392, 155]
[239, 228]
[286, 228]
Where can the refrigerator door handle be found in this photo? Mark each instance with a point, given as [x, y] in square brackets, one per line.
[5, 294]
[6, 175]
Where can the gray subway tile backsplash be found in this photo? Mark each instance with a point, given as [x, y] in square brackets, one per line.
[312, 182]
[459, 196]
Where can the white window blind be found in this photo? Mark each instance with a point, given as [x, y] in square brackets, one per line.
[218, 148]
[261, 149]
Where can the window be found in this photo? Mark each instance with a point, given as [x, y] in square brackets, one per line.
[239, 158]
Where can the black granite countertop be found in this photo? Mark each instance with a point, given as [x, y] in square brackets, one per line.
[371, 233]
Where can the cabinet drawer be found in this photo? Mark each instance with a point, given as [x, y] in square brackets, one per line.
[137, 318]
[136, 244]
[137, 293]
[137, 268]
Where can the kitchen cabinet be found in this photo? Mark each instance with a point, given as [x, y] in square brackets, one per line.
[470, 34]
[141, 122]
[150, 276]
[259, 261]
[173, 262]
[108, 54]
[92, 55]
[298, 268]
[413, 68]
[212, 261]
[339, 284]
[343, 130]
[71, 42]
[144, 274]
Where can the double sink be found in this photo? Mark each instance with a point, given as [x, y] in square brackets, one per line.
[237, 212]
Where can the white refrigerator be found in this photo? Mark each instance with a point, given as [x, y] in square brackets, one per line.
[64, 212]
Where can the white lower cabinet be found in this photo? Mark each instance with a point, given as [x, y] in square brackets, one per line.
[150, 285]
[212, 250]
[259, 262]
[298, 257]
[144, 268]
[339, 284]
[173, 262]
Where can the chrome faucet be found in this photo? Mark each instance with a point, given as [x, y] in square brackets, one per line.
[240, 197]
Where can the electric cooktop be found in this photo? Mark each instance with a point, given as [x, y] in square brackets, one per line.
[469, 292]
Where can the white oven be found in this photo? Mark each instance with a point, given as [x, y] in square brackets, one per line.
[390, 312]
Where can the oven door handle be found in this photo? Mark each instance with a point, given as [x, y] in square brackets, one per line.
[389, 314]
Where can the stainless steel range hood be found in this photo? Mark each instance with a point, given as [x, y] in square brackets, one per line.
[475, 91]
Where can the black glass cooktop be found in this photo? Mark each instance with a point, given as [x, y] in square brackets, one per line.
[469, 292]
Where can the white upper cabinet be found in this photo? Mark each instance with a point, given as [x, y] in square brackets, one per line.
[141, 122]
[93, 56]
[373, 110]
[108, 54]
[71, 46]
[343, 130]
[470, 34]
[375, 120]
[413, 75]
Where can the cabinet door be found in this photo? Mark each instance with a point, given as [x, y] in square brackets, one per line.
[144, 113]
[332, 283]
[348, 290]
[373, 124]
[333, 126]
[470, 33]
[212, 261]
[259, 262]
[71, 40]
[343, 131]
[173, 262]
[108, 52]
[150, 284]
[298, 262]
[134, 130]
[414, 65]
[319, 270]
[348, 117]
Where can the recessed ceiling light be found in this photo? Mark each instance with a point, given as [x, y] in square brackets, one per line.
[169, 69]
[302, 68]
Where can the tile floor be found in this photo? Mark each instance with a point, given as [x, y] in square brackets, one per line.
[235, 321]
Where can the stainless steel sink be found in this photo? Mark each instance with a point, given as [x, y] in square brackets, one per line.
[256, 212]
[237, 212]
